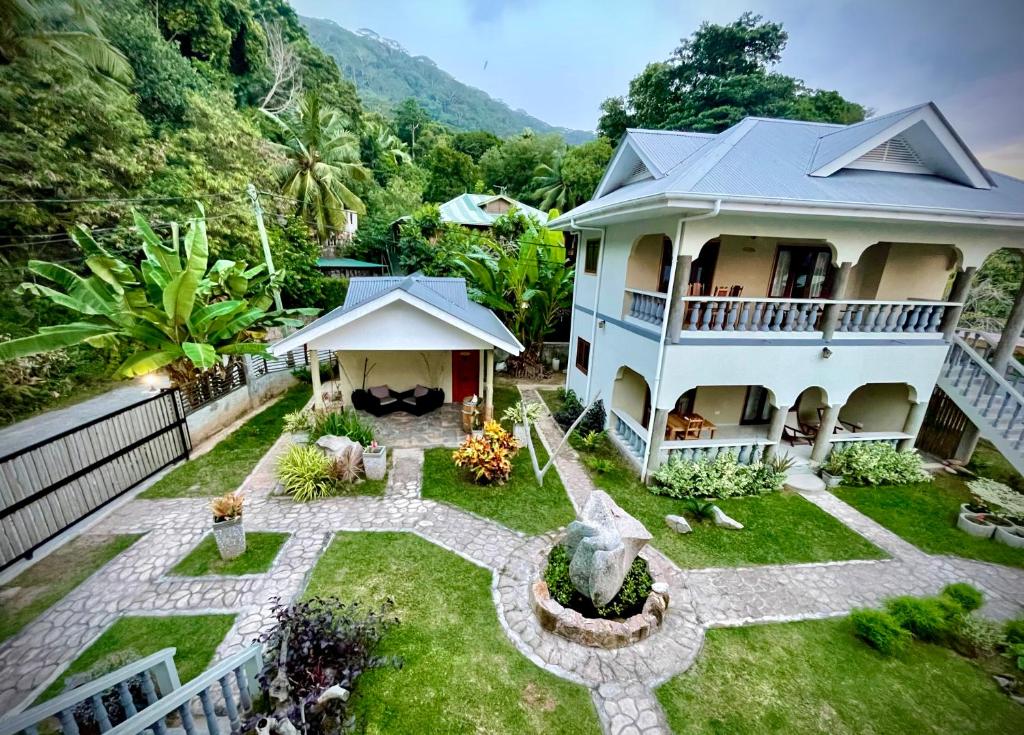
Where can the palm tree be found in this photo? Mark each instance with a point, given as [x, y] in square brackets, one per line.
[552, 190]
[55, 28]
[321, 160]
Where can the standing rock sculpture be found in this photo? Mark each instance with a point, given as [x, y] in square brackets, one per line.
[602, 544]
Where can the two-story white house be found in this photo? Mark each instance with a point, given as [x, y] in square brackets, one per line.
[780, 286]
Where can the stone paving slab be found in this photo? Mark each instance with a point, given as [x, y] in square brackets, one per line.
[621, 681]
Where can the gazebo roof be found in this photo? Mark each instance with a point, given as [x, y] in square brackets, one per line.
[445, 299]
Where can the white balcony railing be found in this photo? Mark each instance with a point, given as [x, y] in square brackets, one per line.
[765, 316]
[629, 431]
[746, 449]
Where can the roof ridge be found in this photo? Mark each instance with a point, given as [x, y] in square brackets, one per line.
[673, 132]
[878, 118]
[723, 143]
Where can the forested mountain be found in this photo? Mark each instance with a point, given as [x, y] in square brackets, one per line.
[385, 74]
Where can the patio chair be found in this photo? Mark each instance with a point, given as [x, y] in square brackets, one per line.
[841, 425]
[420, 400]
[379, 400]
[796, 432]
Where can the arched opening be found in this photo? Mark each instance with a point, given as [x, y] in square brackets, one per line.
[630, 411]
[720, 412]
[650, 263]
[903, 271]
[877, 407]
[762, 267]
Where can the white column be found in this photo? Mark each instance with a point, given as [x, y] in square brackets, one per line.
[314, 371]
[489, 396]
[915, 417]
[480, 379]
[778, 423]
[656, 438]
[823, 440]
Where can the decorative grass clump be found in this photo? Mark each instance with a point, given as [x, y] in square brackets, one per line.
[880, 630]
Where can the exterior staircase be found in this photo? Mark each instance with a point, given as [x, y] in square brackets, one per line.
[992, 401]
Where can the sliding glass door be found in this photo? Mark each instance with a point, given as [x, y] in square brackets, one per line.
[801, 272]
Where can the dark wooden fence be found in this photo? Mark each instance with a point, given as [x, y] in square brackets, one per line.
[943, 426]
[212, 385]
[50, 486]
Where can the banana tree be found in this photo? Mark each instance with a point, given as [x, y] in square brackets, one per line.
[173, 311]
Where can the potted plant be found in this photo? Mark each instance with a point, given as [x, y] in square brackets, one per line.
[227, 525]
[1011, 535]
[834, 468]
[976, 524]
[518, 415]
[990, 494]
[375, 461]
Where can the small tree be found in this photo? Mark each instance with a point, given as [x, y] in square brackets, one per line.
[172, 310]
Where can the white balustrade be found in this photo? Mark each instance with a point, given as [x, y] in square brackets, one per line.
[647, 306]
[630, 432]
[901, 317]
[747, 449]
[744, 314]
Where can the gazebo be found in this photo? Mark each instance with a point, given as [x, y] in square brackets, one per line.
[406, 334]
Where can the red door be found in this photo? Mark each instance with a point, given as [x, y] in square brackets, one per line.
[465, 374]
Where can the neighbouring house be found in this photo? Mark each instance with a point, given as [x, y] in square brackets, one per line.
[403, 334]
[348, 267]
[788, 283]
[480, 210]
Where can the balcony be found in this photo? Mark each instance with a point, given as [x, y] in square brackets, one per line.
[768, 317]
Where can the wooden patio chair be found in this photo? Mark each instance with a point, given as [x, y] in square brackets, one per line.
[796, 432]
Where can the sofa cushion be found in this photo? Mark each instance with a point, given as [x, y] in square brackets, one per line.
[420, 390]
[380, 391]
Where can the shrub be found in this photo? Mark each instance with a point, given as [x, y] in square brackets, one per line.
[305, 473]
[570, 410]
[488, 457]
[976, 637]
[880, 630]
[340, 423]
[297, 421]
[875, 463]
[592, 441]
[515, 413]
[600, 465]
[313, 646]
[594, 420]
[969, 598]
[926, 618]
[996, 494]
[628, 601]
[1014, 631]
[702, 510]
[721, 477]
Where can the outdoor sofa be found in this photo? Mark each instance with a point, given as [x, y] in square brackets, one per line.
[381, 400]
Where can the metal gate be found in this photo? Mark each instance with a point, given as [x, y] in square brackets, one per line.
[49, 486]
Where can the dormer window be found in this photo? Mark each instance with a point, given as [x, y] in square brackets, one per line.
[895, 154]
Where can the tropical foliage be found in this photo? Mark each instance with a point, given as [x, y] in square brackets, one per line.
[875, 463]
[487, 456]
[721, 477]
[173, 311]
[718, 76]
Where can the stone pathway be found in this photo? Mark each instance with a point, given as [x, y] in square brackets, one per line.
[621, 681]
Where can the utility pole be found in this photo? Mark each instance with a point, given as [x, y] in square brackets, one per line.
[258, 211]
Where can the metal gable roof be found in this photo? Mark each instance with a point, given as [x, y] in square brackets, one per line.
[467, 209]
[833, 144]
[446, 294]
[664, 148]
[768, 159]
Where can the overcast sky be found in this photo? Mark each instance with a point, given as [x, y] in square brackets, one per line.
[558, 59]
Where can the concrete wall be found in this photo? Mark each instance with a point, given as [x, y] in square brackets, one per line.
[721, 404]
[400, 370]
[878, 407]
[644, 265]
[215, 416]
[398, 326]
[628, 393]
[902, 271]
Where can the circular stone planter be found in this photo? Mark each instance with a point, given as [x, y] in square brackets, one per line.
[831, 481]
[964, 509]
[1012, 536]
[975, 525]
[599, 632]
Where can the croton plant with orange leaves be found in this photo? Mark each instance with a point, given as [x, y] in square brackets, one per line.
[488, 456]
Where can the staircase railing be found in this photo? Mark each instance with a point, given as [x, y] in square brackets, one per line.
[159, 677]
[1014, 372]
[992, 403]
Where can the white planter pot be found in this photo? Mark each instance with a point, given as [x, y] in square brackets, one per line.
[1011, 536]
[972, 526]
[519, 433]
[964, 509]
[375, 464]
[555, 364]
[230, 537]
[831, 480]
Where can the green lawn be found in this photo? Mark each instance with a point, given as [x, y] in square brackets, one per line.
[33, 591]
[224, 467]
[460, 672]
[550, 398]
[816, 677]
[925, 515]
[260, 550]
[519, 504]
[505, 395]
[195, 637]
